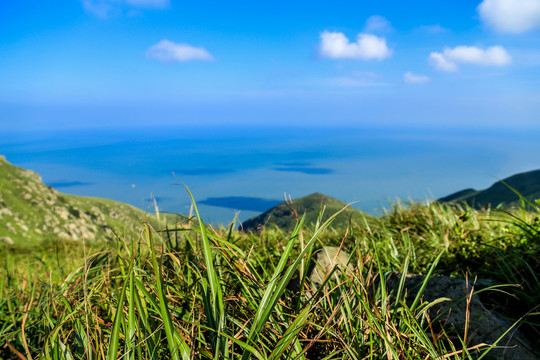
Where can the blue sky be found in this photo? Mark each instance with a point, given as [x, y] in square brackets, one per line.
[115, 63]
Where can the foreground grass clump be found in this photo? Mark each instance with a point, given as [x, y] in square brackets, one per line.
[192, 292]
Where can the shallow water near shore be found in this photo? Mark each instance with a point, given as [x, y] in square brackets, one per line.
[245, 170]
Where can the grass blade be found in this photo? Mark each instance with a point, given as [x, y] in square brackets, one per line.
[177, 346]
[214, 306]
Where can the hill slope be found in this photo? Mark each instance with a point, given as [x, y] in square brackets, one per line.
[527, 184]
[31, 211]
[283, 215]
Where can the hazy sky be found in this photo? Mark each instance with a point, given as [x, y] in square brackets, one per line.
[94, 63]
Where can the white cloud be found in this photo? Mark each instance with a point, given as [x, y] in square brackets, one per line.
[440, 62]
[377, 23]
[449, 59]
[510, 16]
[335, 45]
[168, 51]
[410, 78]
[104, 8]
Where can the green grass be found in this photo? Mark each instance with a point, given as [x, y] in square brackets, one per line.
[502, 192]
[193, 292]
[31, 212]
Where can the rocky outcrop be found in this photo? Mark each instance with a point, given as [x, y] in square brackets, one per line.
[484, 326]
[32, 211]
[461, 311]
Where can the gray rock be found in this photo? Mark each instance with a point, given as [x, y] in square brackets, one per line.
[10, 228]
[485, 326]
[62, 212]
[23, 227]
[325, 260]
[6, 240]
[5, 211]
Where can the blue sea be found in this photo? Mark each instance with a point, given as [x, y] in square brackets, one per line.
[245, 170]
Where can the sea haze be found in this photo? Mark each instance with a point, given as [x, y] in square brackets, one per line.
[245, 170]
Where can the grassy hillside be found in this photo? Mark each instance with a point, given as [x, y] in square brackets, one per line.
[285, 215]
[527, 184]
[194, 292]
[31, 211]
[201, 293]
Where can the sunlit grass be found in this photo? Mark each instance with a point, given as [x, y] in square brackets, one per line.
[194, 292]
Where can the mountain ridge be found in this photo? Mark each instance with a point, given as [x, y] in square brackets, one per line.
[500, 193]
[284, 214]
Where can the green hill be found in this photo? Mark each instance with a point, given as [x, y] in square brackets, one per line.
[283, 215]
[527, 184]
[31, 211]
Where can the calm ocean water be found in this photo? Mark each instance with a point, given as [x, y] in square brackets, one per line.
[247, 170]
